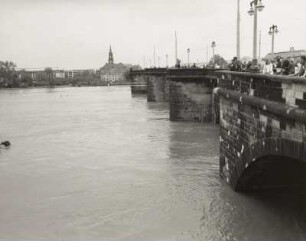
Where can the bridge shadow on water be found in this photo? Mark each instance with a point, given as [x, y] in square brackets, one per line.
[139, 96]
[274, 215]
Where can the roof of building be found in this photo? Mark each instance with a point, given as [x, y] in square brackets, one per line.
[109, 66]
[287, 54]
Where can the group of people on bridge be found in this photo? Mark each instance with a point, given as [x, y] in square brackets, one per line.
[277, 66]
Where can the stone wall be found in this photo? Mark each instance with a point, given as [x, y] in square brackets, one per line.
[261, 118]
[190, 102]
[190, 94]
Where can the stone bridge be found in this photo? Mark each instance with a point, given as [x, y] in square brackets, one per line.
[262, 121]
[262, 130]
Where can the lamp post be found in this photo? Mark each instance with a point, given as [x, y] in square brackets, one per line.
[238, 30]
[176, 60]
[166, 60]
[213, 45]
[154, 57]
[256, 5]
[273, 31]
[188, 52]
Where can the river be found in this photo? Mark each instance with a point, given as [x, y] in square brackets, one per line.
[96, 163]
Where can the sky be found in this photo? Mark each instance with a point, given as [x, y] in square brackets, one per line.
[77, 34]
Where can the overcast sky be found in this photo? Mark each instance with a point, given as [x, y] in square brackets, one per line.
[78, 33]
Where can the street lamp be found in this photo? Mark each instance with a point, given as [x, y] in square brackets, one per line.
[273, 31]
[188, 52]
[213, 45]
[166, 60]
[238, 30]
[256, 5]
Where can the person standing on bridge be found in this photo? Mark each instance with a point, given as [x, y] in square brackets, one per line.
[268, 68]
[301, 72]
[235, 65]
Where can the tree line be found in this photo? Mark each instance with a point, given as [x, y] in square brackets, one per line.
[12, 78]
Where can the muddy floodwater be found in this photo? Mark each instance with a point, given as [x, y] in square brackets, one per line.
[96, 163]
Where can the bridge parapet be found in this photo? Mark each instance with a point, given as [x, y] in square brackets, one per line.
[191, 74]
[262, 130]
[289, 90]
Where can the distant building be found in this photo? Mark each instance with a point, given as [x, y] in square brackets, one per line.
[38, 73]
[112, 72]
[60, 73]
[69, 74]
[287, 54]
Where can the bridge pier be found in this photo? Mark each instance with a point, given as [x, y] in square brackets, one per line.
[262, 130]
[190, 94]
[157, 85]
[138, 82]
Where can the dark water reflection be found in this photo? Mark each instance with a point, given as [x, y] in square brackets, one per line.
[100, 164]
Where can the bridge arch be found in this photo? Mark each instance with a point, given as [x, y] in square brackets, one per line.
[270, 163]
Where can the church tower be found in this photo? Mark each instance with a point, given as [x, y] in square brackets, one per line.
[110, 56]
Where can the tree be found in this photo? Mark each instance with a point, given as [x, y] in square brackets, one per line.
[219, 60]
[49, 75]
[49, 72]
[7, 69]
[25, 78]
[8, 74]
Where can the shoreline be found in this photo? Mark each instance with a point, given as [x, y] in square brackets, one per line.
[63, 86]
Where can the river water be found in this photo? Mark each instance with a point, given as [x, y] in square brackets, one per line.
[96, 163]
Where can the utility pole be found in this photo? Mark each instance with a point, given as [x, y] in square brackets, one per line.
[273, 31]
[167, 60]
[256, 5]
[144, 61]
[154, 57]
[206, 53]
[213, 45]
[238, 30]
[259, 49]
[175, 49]
[188, 52]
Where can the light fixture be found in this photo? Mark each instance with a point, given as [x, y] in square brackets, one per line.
[260, 6]
[251, 11]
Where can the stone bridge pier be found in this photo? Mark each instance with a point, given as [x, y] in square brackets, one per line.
[190, 94]
[138, 81]
[262, 130]
[157, 85]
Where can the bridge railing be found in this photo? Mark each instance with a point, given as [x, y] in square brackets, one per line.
[283, 89]
[185, 74]
[148, 71]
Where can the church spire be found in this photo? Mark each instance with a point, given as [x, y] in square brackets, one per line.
[110, 56]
